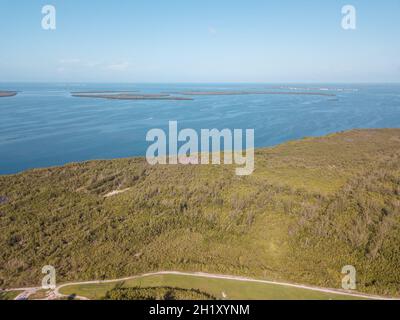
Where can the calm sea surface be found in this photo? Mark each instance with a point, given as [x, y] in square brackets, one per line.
[44, 126]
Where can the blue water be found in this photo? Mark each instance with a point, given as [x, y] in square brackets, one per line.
[44, 126]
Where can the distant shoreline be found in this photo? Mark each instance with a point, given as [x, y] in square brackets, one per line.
[125, 96]
[105, 92]
[4, 94]
[143, 157]
[227, 93]
[184, 95]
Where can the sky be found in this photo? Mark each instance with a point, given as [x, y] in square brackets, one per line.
[199, 41]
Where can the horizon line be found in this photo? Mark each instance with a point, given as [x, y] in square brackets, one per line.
[201, 82]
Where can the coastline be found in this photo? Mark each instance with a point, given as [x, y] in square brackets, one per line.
[4, 94]
[185, 95]
[142, 157]
[128, 96]
[230, 93]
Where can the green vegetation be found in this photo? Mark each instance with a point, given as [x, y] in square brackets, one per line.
[311, 207]
[156, 293]
[213, 288]
[39, 295]
[9, 295]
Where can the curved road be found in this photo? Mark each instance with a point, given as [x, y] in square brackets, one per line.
[56, 293]
[228, 277]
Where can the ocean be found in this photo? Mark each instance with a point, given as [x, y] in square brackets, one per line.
[45, 126]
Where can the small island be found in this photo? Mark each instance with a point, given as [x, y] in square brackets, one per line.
[184, 95]
[227, 93]
[7, 94]
[105, 92]
[127, 96]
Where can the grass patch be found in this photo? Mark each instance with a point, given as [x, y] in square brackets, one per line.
[9, 295]
[219, 288]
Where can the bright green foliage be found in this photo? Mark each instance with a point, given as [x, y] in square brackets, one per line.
[9, 295]
[156, 293]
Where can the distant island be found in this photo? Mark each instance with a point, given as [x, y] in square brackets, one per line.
[7, 94]
[132, 95]
[229, 93]
[105, 92]
[127, 96]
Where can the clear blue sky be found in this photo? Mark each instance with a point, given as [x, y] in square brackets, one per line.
[200, 41]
